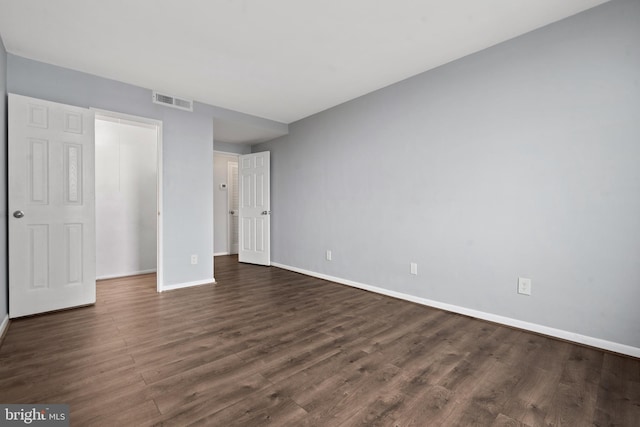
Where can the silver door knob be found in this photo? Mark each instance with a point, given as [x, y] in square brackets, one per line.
[18, 214]
[266, 212]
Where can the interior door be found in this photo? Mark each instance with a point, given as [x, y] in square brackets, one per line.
[51, 206]
[255, 209]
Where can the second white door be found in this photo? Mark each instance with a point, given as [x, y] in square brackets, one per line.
[254, 209]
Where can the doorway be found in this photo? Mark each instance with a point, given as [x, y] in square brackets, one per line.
[233, 198]
[128, 196]
[225, 201]
[242, 203]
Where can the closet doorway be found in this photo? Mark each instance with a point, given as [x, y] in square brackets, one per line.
[128, 196]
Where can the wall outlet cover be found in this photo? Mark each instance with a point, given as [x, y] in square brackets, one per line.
[524, 286]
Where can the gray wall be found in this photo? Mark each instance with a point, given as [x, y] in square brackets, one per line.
[4, 282]
[520, 160]
[187, 155]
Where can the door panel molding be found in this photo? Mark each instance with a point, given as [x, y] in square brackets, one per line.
[254, 209]
[51, 190]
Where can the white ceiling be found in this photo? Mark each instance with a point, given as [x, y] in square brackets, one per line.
[277, 59]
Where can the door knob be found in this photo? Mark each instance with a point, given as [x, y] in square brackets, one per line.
[232, 212]
[18, 214]
[266, 212]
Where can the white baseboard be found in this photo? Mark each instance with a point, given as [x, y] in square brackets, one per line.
[4, 326]
[132, 273]
[188, 285]
[533, 327]
[221, 253]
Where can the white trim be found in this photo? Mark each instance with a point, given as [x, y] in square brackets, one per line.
[160, 222]
[133, 273]
[106, 115]
[114, 115]
[229, 217]
[227, 153]
[4, 326]
[211, 281]
[533, 327]
[230, 155]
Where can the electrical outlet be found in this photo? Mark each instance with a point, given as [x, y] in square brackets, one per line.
[524, 286]
[414, 268]
[194, 259]
[328, 255]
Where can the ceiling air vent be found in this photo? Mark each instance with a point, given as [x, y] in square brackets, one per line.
[172, 101]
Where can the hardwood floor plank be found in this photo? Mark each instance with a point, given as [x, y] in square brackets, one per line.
[361, 383]
[618, 399]
[263, 407]
[571, 406]
[504, 421]
[189, 384]
[531, 397]
[309, 383]
[82, 390]
[380, 412]
[181, 409]
[617, 410]
[433, 404]
[583, 366]
[109, 405]
[266, 346]
[137, 416]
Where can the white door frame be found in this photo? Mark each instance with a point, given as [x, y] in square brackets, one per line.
[229, 197]
[226, 154]
[159, 222]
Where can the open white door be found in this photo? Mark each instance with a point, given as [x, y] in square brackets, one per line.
[255, 209]
[51, 206]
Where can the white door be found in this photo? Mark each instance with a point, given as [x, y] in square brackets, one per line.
[233, 199]
[51, 206]
[255, 209]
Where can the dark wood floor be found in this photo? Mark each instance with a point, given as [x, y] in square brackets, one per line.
[266, 346]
